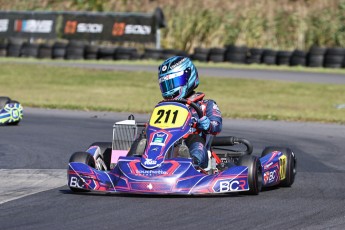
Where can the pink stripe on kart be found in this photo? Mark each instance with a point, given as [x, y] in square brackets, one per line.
[115, 154]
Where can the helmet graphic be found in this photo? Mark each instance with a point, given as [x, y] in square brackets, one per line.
[177, 77]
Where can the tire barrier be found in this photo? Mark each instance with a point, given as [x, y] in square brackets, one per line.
[254, 56]
[200, 54]
[216, 55]
[59, 50]
[45, 51]
[3, 48]
[91, 52]
[75, 50]
[269, 57]
[334, 57]
[283, 57]
[154, 54]
[315, 56]
[298, 58]
[236, 54]
[29, 50]
[106, 53]
[124, 53]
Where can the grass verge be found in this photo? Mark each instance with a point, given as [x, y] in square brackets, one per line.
[73, 88]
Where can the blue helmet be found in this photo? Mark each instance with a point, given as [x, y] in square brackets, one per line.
[177, 77]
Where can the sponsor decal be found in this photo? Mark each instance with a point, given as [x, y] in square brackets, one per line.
[266, 177]
[159, 139]
[75, 182]
[72, 27]
[121, 28]
[151, 172]
[149, 186]
[268, 165]
[92, 28]
[178, 63]
[150, 162]
[164, 68]
[170, 76]
[3, 25]
[33, 26]
[230, 185]
[282, 166]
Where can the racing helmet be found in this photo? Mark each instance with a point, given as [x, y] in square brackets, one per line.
[177, 77]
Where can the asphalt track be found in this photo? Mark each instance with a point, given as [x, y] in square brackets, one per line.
[34, 195]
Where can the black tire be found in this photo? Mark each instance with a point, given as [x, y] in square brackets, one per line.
[106, 53]
[59, 50]
[13, 50]
[236, 54]
[82, 157]
[290, 164]
[269, 57]
[200, 54]
[3, 102]
[254, 173]
[29, 50]
[298, 57]
[45, 51]
[154, 54]
[283, 57]
[216, 55]
[106, 148]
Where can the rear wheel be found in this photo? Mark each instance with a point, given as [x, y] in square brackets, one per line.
[82, 157]
[254, 173]
[287, 164]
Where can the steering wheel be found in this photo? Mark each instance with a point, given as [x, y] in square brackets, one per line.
[188, 102]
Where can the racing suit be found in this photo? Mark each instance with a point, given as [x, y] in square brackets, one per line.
[196, 142]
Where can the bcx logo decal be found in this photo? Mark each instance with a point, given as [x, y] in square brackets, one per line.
[75, 182]
[230, 185]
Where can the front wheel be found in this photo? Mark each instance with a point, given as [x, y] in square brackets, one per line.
[254, 173]
[82, 157]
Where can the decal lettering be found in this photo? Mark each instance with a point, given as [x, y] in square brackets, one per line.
[74, 182]
[282, 165]
[150, 162]
[230, 186]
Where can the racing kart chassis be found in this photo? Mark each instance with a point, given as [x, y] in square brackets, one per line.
[156, 161]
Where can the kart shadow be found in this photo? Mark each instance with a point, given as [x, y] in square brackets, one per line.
[160, 196]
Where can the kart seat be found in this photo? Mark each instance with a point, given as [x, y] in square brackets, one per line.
[4, 101]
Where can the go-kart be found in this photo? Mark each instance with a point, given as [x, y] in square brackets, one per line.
[157, 161]
[11, 112]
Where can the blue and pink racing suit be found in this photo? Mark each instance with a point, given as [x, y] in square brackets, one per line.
[196, 143]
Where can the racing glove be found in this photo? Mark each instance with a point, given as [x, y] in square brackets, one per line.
[204, 123]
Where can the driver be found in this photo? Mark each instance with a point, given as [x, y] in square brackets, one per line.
[178, 78]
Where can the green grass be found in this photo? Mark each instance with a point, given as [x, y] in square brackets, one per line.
[84, 89]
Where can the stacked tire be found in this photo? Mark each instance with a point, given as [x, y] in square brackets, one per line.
[168, 53]
[29, 50]
[106, 53]
[216, 55]
[283, 57]
[269, 57]
[14, 47]
[154, 54]
[334, 57]
[59, 50]
[124, 53]
[75, 50]
[236, 54]
[200, 54]
[315, 56]
[45, 51]
[254, 56]
[298, 58]
[91, 52]
[3, 48]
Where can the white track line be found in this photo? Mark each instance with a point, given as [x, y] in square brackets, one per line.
[18, 183]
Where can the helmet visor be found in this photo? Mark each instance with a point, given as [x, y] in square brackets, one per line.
[172, 81]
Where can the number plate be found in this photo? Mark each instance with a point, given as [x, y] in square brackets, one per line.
[169, 116]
